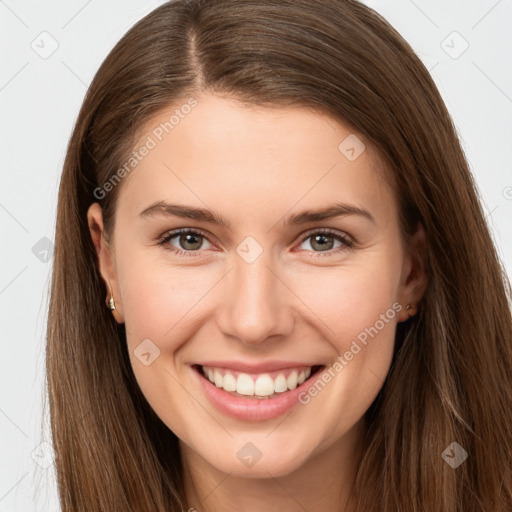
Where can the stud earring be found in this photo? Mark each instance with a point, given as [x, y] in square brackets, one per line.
[410, 307]
[111, 303]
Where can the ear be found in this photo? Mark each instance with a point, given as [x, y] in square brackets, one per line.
[106, 261]
[413, 281]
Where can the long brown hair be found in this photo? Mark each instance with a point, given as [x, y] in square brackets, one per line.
[450, 376]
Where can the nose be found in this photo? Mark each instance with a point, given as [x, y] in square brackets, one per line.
[257, 303]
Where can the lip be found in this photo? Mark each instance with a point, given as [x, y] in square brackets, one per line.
[252, 409]
[267, 366]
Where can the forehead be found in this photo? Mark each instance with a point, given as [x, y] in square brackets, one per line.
[225, 154]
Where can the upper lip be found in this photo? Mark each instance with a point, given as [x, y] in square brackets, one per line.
[266, 366]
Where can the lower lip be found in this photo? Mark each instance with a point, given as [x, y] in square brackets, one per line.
[253, 409]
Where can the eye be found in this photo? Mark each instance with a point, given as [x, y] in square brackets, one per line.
[189, 241]
[322, 241]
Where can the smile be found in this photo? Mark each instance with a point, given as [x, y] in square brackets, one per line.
[264, 385]
[254, 396]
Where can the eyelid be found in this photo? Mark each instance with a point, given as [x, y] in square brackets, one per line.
[342, 236]
[179, 231]
[329, 231]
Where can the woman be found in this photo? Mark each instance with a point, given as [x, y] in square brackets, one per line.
[337, 336]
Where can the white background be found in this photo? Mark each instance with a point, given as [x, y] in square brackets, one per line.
[39, 102]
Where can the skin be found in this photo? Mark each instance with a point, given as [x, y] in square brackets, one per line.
[256, 167]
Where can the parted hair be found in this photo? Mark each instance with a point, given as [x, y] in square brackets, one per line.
[450, 378]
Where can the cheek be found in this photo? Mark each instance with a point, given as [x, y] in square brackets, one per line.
[350, 298]
[356, 311]
[157, 299]
[158, 305]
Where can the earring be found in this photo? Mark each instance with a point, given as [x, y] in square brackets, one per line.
[408, 307]
[111, 304]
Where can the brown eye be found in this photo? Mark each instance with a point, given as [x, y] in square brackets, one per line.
[188, 241]
[324, 241]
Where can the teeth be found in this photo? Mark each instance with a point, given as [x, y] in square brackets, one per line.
[263, 386]
[244, 384]
[291, 381]
[217, 378]
[280, 384]
[229, 383]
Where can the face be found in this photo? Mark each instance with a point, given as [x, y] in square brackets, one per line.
[270, 295]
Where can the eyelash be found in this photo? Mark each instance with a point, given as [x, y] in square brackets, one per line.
[347, 243]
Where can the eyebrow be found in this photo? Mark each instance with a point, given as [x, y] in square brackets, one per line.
[212, 217]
